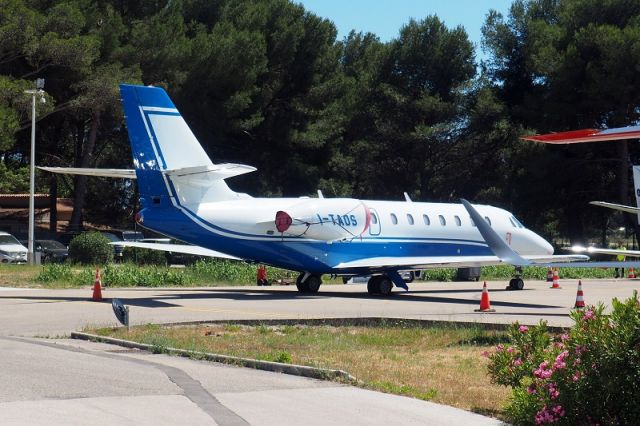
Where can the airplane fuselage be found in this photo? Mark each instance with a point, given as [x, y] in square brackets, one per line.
[246, 228]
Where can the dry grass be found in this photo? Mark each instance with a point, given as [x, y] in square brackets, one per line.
[443, 365]
[19, 275]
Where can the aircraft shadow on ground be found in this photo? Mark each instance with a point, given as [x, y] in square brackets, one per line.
[262, 294]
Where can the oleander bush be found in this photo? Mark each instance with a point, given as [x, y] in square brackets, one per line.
[588, 375]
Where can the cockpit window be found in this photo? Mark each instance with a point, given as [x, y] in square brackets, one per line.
[516, 222]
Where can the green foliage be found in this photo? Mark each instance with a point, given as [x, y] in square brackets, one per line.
[131, 275]
[141, 256]
[589, 374]
[91, 248]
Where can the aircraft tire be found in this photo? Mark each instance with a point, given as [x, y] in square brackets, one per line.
[385, 285]
[516, 284]
[373, 286]
[313, 283]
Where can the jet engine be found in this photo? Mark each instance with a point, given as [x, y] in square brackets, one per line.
[324, 219]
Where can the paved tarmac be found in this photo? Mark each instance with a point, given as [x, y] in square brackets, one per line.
[61, 381]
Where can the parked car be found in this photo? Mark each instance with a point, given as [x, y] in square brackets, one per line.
[51, 251]
[117, 249]
[66, 238]
[11, 251]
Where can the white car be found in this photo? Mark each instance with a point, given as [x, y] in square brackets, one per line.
[11, 251]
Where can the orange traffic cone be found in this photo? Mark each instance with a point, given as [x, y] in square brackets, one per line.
[579, 297]
[632, 273]
[485, 306]
[97, 288]
[549, 275]
[556, 280]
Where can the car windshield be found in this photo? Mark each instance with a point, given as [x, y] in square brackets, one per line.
[8, 239]
[51, 245]
[132, 235]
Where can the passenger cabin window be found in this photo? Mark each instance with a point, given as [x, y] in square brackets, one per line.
[374, 219]
[394, 219]
[443, 222]
[410, 219]
[458, 221]
[488, 220]
[426, 219]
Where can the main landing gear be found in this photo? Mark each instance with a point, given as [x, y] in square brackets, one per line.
[380, 284]
[308, 283]
[516, 283]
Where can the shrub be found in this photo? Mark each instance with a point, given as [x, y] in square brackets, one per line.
[589, 375]
[91, 248]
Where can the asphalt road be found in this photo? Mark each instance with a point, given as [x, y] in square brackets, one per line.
[54, 380]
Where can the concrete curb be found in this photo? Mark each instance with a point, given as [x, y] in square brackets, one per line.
[277, 367]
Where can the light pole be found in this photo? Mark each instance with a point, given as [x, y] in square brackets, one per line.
[32, 165]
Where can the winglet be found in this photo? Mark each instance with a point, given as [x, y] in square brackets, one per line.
[495, 243]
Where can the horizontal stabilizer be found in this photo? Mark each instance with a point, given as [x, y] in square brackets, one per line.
[177, 248]
[215, 171]
[620, 207]
[114, 173]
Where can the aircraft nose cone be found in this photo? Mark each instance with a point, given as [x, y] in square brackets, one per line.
[544, 244]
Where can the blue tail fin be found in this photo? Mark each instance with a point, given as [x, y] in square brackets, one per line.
[171, 166]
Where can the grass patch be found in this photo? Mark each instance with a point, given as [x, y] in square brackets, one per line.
[441, 363]
[219, 272]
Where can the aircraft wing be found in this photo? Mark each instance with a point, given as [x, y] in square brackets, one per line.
[587, 135]
[614, 252]
[621, 207]
[116, 173]
[177, 248]
[424, 262]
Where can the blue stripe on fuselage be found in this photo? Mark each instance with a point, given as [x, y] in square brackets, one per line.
[312, 256]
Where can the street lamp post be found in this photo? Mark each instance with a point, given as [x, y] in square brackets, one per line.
[32, 166]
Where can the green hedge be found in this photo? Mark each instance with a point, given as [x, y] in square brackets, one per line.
[91, 248]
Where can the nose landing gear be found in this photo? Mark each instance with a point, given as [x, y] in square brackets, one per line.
[516, 283]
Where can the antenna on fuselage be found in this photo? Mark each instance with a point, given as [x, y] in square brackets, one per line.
[320, 194]
[407, 198]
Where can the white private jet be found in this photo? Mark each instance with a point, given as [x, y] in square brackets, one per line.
[184, 195]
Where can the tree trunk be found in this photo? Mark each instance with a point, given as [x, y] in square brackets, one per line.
[80, 184]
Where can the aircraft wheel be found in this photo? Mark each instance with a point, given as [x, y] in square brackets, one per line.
[302, 286]
[373, 285]
[516, 284]
[411, 277]
[311, 285]
[385, 285]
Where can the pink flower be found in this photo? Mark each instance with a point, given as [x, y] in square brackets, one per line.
[558, 411]
[517, 362]
[560, 363]
[485, 354]
[523, 329]
[564, 337]
[500, 347]
[510, 349]
[576, 376]
[531, 390]
[588, 315]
